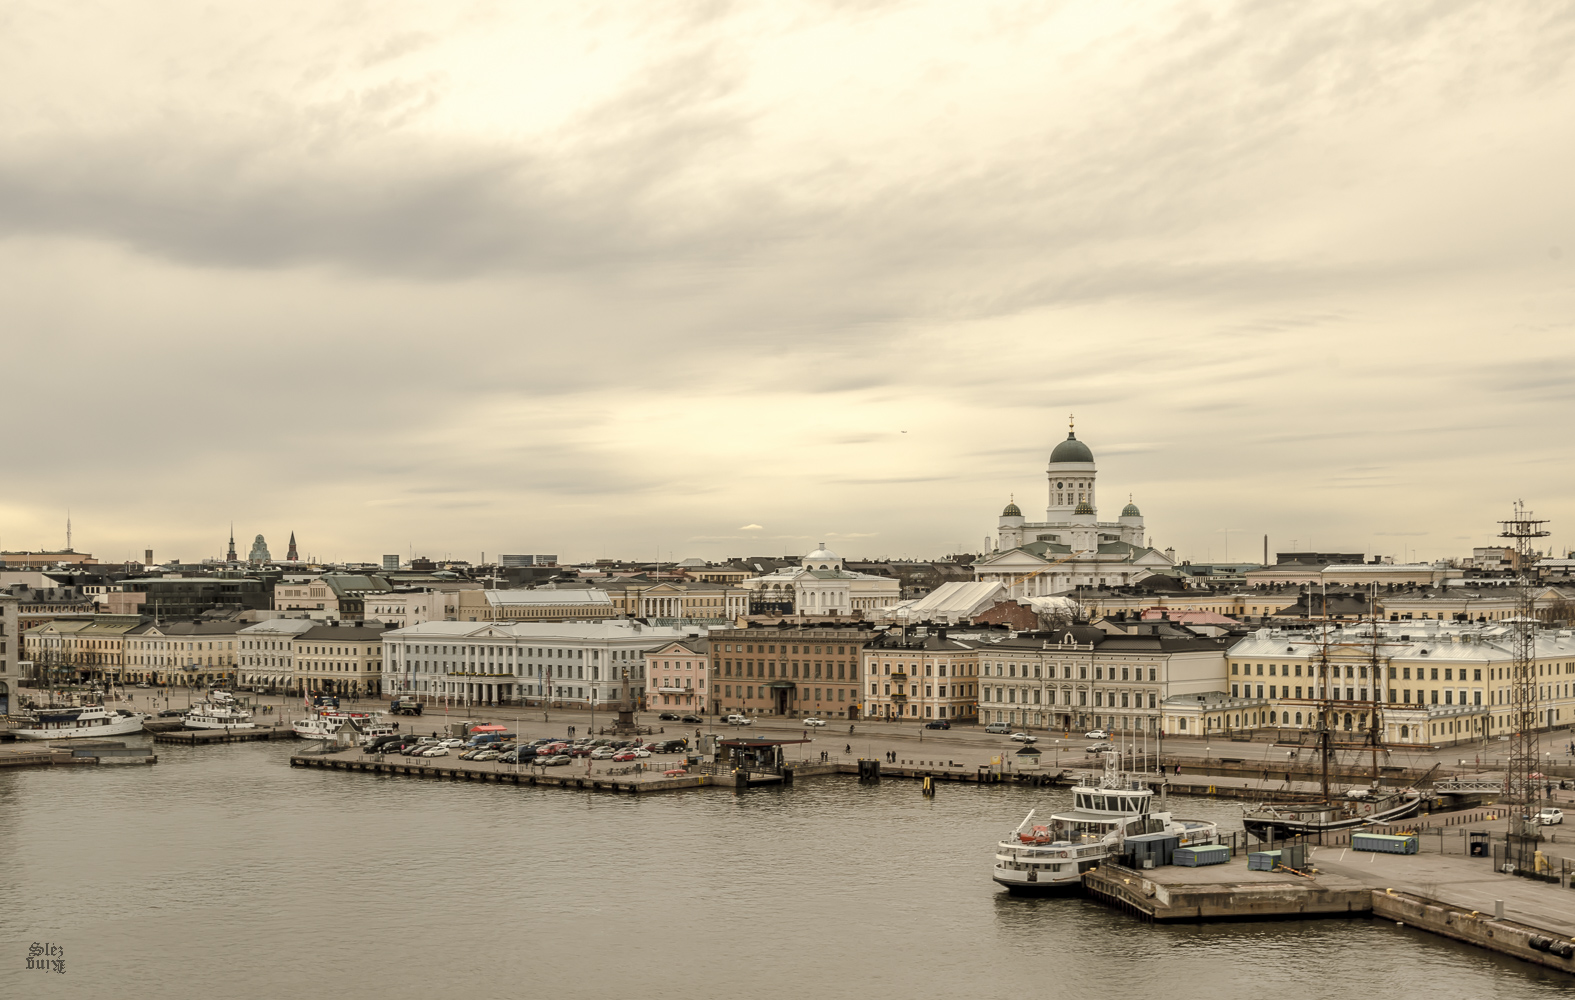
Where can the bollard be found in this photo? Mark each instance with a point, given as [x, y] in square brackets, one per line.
[1498, 909]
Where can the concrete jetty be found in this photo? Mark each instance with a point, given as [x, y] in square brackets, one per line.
[200, 737]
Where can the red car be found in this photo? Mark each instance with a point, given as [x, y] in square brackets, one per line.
[626, 755]
[579, 751]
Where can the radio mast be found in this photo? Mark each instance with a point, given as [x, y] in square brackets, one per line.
[1522, 791]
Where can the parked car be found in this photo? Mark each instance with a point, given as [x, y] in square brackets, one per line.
[998, 727]
[812, 721]
[580, 752]
[415, 749]
[452, 743]
[468, 754]
[640, 752]
[603, 753]
[691, 718]
[557, 760]
[488, 754]
[439, 751]
[624, 755]
[170, 713]
[1100, 748]
[1550, 816]
[1096, 734]
[512, 757]
[937, 724]
[668, 716]
[1024, 738]
[739, 720]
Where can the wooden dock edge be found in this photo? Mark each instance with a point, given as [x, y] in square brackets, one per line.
[1142, 897]
[586, 783]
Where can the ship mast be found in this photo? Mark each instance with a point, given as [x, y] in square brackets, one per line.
[1326, 706]
[1375, 728]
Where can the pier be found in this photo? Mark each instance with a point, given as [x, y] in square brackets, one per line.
[202, 737]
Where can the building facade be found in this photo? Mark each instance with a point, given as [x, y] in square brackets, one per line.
[821, 585]
[190, 654]
[551, 664]
[799, 671]
[340, 659]
[676, 676]
[266, 652]
[921, 676]
[544, 605]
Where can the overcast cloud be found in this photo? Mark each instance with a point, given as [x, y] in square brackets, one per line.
[618, 280]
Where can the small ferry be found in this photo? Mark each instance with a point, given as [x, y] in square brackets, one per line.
[220, 711]
[1052, 857]
[325, 725]
[78, 723]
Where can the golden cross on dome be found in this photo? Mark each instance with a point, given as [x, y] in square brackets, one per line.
[1071, 423]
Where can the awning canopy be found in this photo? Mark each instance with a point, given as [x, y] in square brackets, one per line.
[489, 729]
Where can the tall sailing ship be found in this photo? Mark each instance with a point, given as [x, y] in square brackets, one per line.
[1358, 806]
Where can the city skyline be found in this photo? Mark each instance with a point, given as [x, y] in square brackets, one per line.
[717, 281]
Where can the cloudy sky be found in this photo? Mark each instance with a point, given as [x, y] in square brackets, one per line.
[707, 279]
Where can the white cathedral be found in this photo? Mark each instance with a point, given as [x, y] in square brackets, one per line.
[1071, 547]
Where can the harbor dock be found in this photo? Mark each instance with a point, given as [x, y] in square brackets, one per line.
[202, 737]
[78, 752]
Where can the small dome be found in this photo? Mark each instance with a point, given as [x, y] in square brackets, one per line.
[822, 554]
[1084, 508]
[1071, 450]
[1011, 511]
[1130, 510]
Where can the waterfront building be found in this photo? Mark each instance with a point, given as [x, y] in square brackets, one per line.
[10, 650]
[1071, 547]
[821, 585]
[189, 653]
[677, 673]
[794, 671]
[340, 659]
[68, 650]
[558, 664]
[921, 675]
[1085, 678]
[1435, 682]
[1211, 713]
[36, 606]
[267, 653]
[541, 605]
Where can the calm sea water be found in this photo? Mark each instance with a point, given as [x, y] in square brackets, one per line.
[224, 872]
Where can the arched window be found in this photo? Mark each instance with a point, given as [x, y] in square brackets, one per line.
[1298, 718]
[1405, 732]
[1271, 717]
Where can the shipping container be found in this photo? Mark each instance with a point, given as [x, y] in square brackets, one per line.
[1384, 843]
[1197, 857]
[1263, 861]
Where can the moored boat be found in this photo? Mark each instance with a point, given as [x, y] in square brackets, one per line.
[1052, 857]
[85, 722]
[326, 724]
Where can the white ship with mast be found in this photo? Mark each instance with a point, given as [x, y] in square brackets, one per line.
[220, 711]
[1052, 857]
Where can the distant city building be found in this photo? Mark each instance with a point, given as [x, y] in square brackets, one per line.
[1071, 547]
[542, 605]
[340, 659]
[338, 595]
[391, 562]
[44, 558]
[820, 585]
[527, 560]
[259, 553]
[187, 653]
[673, 602]
[167, 597]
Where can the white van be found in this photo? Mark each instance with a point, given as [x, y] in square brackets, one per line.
[739, 720]
[998, 727]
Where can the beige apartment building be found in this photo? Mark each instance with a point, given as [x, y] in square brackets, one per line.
[191, 653]
[340, 659]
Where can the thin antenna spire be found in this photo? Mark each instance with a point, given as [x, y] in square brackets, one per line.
[68, 529]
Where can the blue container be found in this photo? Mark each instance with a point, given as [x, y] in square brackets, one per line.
[1384, 843]
[1197, 857]
[1263, 861]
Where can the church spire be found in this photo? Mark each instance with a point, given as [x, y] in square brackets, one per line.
[291, 556]
[230, 556]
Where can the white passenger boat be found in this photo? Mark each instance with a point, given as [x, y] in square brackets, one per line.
[78, 723]
[326, 724]
[1052, 857]
[219, 712]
